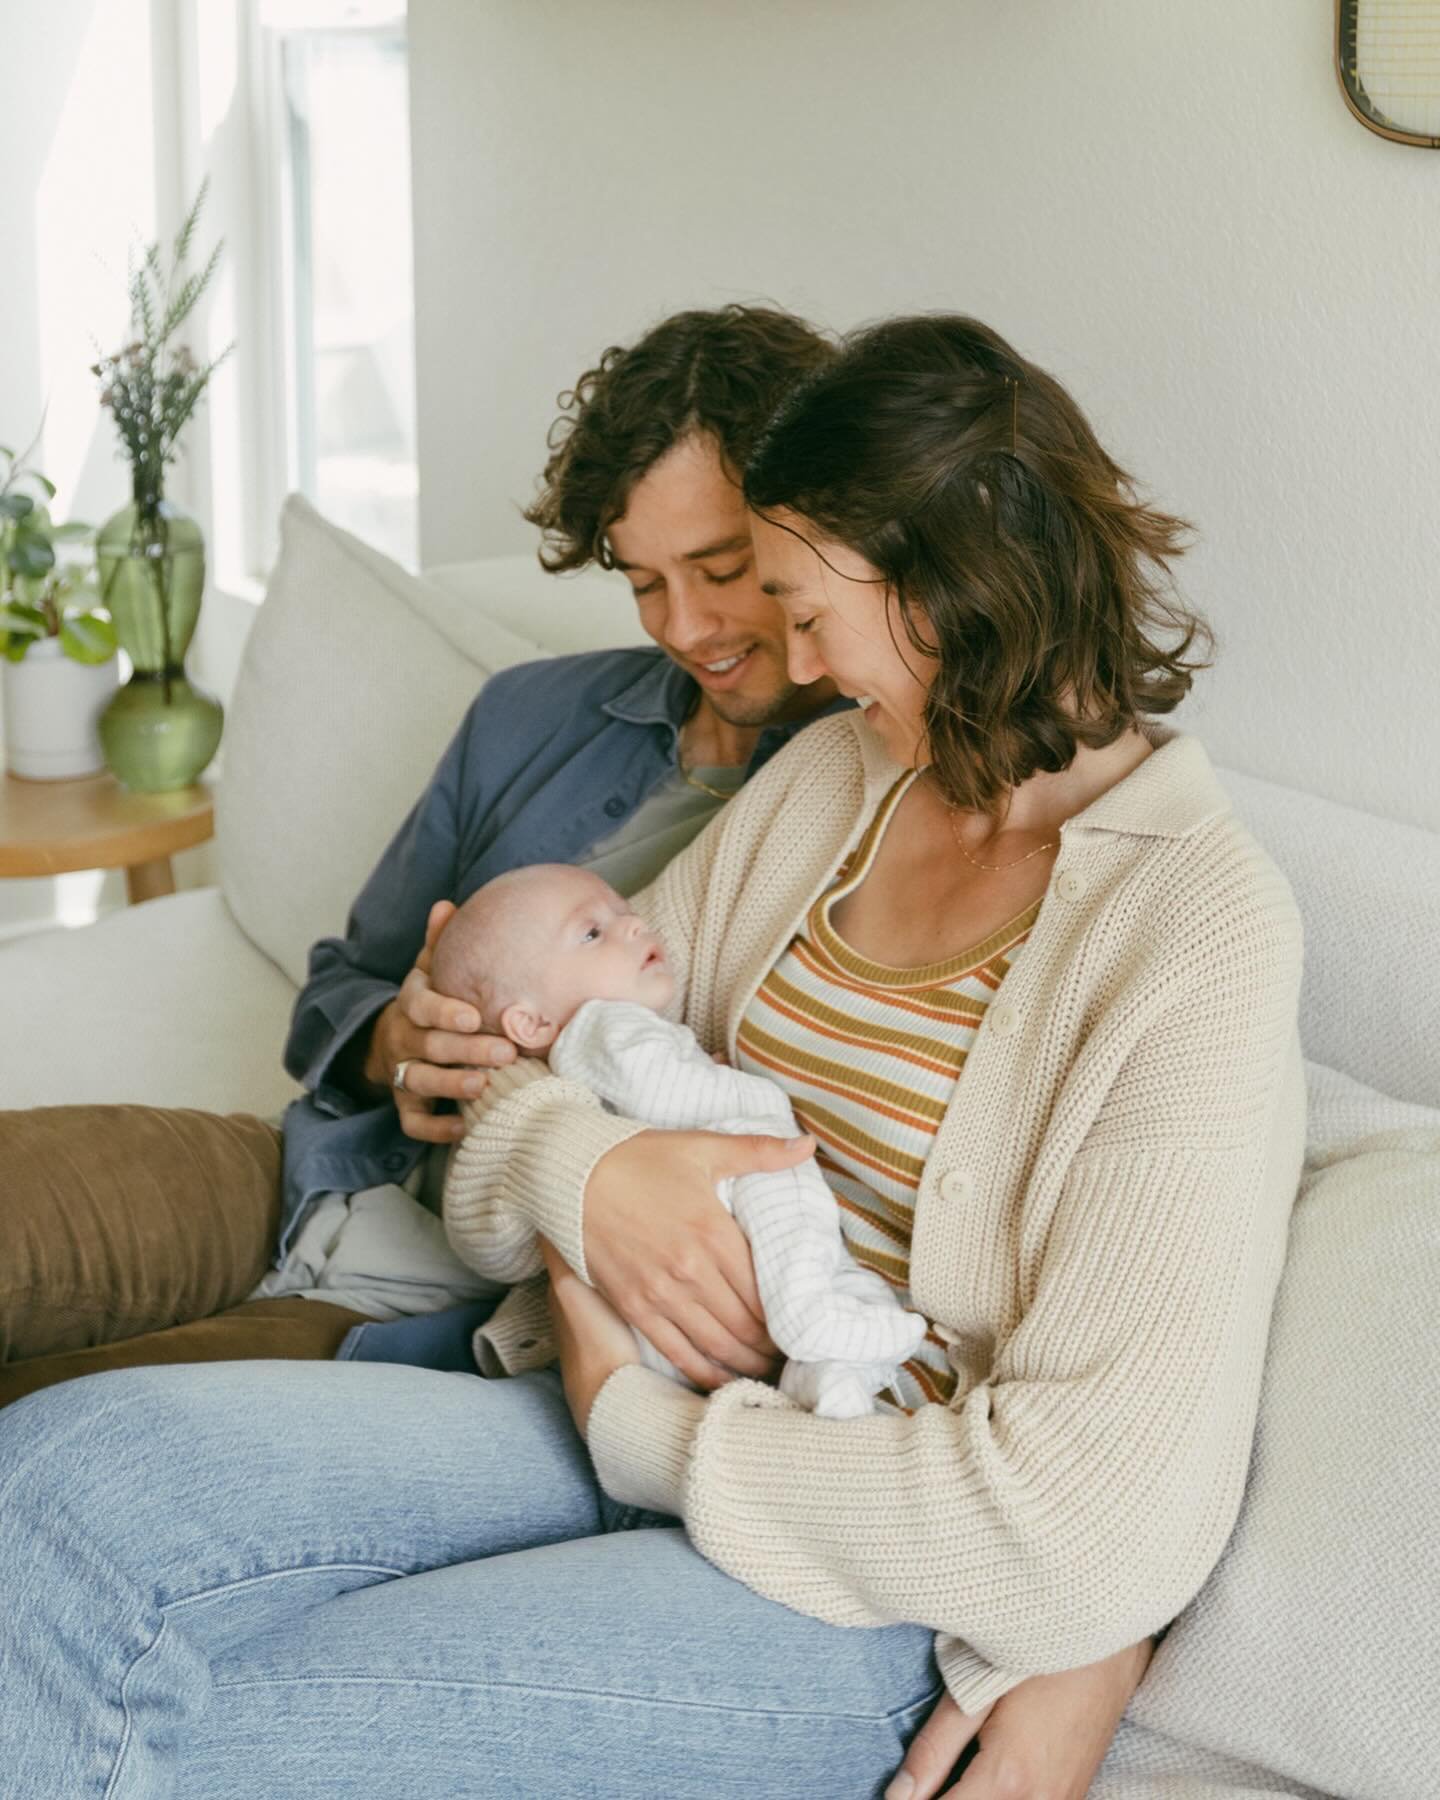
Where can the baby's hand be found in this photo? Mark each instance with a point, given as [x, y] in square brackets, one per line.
[719, 1056]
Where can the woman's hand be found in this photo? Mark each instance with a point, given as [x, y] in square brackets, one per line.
[671, 1260]
[1047, 1737]
[592, 1339]
[441, 1040]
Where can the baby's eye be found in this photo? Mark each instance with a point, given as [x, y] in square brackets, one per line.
[592, 932]
[801, 626]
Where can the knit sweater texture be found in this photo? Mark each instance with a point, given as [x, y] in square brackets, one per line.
[1098, 1233]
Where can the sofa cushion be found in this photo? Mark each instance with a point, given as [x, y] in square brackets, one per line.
[594, 610]
[1340, 1109]
[165, 1004]
[346, 697]
[1309, 1652]
[1367, 891]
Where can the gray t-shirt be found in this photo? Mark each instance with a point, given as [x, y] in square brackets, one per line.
[660, 828]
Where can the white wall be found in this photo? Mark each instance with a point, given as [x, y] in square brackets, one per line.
[1168, 206]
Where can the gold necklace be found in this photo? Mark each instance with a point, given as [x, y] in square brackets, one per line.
[993, 868]
[685, 775]
[704, 786]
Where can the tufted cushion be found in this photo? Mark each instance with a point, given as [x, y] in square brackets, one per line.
[346, 697]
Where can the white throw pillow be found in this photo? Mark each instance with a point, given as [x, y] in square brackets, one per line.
[346, 697]
[1311, 1651]
[1341, 1109]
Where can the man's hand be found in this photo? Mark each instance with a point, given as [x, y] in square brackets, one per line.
[441, 1040]
[671, 1260]
[1048, 1736]
[591, 1338]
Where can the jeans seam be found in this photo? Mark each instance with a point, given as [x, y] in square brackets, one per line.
[224, 1587]
[244, 1581]
[531, 1687]
[127, 1728]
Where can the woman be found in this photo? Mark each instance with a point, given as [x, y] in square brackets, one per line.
[1034, 991]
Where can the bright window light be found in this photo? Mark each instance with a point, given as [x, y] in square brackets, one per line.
[341, 114]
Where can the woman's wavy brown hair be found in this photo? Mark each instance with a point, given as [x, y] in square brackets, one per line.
[972, 482]
[721, 372]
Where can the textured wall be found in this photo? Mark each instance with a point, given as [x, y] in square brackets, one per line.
[1170, 206]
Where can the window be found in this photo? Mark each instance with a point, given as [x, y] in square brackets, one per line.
[341, 108]
[298, 111]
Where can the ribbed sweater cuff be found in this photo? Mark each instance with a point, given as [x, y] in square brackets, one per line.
[972, 1682]
[640, 1431]
[529, 1158]
[517, 1336]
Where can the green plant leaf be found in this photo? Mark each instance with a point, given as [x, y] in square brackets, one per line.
[71, 532]
[15, 506]
[22, 621]
[88, 638]
[13, 648]
[44, 480]
[30, 555]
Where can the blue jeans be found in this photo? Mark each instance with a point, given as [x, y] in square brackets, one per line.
[267, 1579]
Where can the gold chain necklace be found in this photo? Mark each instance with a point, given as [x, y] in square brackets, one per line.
[992, 868]
[685, 775]
[704, 786]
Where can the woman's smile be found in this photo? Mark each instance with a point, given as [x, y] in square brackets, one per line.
[845, 622]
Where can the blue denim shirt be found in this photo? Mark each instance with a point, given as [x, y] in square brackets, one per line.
[552, 757]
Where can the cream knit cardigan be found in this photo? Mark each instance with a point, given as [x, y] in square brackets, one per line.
[1098, 1234]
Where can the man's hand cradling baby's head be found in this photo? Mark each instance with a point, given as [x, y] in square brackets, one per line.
[529, 948]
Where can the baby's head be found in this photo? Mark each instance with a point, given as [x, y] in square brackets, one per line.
[529, 948]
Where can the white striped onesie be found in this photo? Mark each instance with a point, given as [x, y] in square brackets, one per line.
[841, 1328]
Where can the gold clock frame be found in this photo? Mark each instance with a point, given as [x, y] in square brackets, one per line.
[1353, 88]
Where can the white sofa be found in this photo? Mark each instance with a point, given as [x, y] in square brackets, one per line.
[1309, 1664]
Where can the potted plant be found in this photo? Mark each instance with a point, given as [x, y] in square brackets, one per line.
[160, 730]
[59, 668]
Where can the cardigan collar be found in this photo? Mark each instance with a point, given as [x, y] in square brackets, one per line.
[1172, 793]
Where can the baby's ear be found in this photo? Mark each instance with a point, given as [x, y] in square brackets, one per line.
[525, 1027]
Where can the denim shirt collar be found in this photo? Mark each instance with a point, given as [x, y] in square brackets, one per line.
[665, 695]
[662, 695]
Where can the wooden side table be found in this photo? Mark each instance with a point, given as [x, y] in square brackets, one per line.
[55, 827]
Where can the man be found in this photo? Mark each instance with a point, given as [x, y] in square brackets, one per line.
[613, 760]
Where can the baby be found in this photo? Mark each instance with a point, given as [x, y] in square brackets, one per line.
[556, 961]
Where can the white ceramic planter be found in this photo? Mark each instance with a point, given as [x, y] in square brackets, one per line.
[51, 707]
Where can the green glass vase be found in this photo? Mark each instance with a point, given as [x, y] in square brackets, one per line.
[160, 730]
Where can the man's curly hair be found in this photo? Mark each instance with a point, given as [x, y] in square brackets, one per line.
[721, 373]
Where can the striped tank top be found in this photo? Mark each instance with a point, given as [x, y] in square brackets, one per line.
[869, 1057]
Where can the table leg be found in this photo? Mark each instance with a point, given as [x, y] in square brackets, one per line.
[149, 880]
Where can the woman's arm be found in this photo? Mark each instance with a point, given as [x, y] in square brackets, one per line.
[1076, 1500]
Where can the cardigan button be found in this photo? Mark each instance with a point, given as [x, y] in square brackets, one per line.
[1002, 1019]
[614, 806]
[1069, 886]
[956, 1186]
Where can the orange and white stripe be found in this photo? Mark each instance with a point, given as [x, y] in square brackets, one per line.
[868, 1056]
